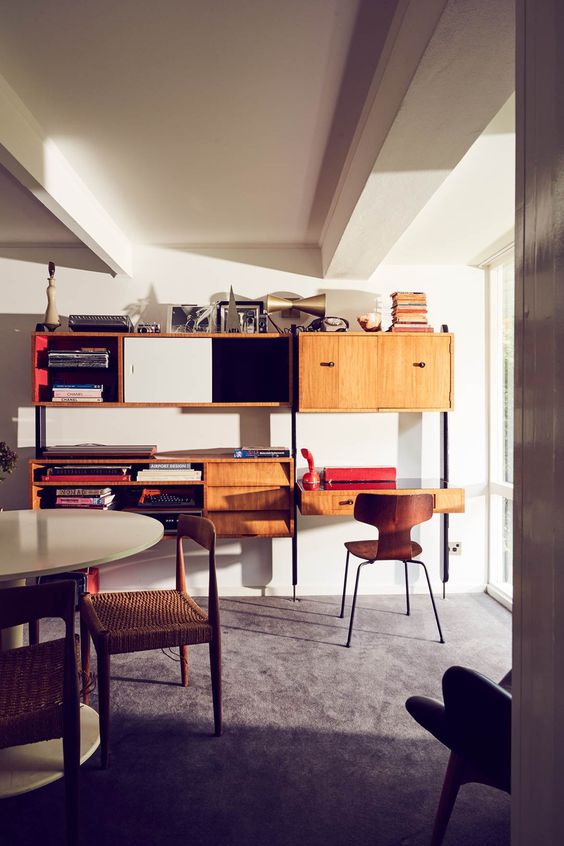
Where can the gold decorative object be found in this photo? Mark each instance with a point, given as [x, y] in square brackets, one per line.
[309, 305]
[51, 320]
[370, 322]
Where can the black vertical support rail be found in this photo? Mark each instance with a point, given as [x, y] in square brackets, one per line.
[294, 401]
[40, 426]
[444, 482]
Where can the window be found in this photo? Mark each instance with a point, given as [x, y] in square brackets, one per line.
[500, 490]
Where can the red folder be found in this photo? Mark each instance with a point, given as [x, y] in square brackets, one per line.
[360, 474]
[360, 486]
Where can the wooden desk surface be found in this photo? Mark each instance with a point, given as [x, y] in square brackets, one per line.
[330, 500]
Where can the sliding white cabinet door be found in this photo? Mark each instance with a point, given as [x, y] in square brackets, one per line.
[174, 370]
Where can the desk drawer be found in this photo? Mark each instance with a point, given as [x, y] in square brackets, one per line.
[239, 473]
[239, 524]
[258, 498]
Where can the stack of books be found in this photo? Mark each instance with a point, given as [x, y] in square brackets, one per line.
[127, 451]
[101, 499]
[261, 452]
[77, 393]
[84, 357]
[79, 473]
[409, 312]
[178, 471]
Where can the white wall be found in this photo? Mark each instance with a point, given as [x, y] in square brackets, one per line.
[456, 297]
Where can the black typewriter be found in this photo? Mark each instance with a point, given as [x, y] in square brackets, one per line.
[168, 500]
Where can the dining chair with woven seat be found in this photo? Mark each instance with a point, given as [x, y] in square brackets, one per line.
[394, 515]
[39, 686]
[133, 621]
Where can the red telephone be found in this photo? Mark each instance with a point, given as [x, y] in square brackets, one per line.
[311, 479]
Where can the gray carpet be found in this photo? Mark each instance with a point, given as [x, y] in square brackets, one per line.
[318, 748]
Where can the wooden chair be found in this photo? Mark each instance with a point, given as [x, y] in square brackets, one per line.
[154, 619]
[475, 724]
[39, 696]
[394, 515]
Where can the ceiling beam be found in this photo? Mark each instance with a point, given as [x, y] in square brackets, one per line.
[446, 69]
[38, 164]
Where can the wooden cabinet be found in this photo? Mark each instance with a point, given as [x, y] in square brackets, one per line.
[380, 372]
[337, 372]
[415, 372]
[242, 497]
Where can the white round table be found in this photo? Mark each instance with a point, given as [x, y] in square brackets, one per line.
[34, 543]
[55, 540]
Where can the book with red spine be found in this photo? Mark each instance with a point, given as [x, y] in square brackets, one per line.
[361, 486]
[359, 474]
[88, 479]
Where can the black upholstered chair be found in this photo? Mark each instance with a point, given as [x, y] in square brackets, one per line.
[475, 724]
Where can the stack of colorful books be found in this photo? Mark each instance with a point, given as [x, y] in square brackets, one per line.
[178, 471]
[77, 393]
[409, 312]
[101, 499]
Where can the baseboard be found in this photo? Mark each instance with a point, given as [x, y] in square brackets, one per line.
[500, 596]
[320, 589]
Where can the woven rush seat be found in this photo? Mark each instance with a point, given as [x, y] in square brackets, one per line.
[133, 621]
[31, 693]
[368, 549]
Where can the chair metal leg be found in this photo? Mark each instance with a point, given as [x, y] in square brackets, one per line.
[342, 614]
[184, 664]
[215, 667]
[406, 589]
[103, 656]
[360, 566]
[451, 785]
[441, 638]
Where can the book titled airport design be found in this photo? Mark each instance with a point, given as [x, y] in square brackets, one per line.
[261, 452]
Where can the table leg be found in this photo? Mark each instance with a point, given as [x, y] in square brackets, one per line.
[12, 637]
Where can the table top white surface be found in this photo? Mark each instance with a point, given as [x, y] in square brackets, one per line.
[33, 543]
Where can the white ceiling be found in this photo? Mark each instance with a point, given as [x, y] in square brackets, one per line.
[192, 122]
[473, 208]
[241, 124]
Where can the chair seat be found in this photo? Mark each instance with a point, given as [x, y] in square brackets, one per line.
[368, 549]
[133, 621]
[31, 693]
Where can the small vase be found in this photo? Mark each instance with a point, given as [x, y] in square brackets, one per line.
[51, 320]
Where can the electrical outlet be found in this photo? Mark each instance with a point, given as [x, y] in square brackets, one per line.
[455, 548]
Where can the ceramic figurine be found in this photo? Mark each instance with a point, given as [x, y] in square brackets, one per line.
[51, 320]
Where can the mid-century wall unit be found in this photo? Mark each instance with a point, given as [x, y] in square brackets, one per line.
[305, 372]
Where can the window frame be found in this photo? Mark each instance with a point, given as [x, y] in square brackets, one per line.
[498, 489]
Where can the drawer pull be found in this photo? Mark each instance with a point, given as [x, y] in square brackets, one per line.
[327, 363]
[347, 502]
[419, 364]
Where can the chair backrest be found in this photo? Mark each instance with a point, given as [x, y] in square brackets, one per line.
[202, 531]
[478, 719]
[20, 605]
[394, 515]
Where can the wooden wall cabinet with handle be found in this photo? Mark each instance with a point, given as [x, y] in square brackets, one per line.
[375, 372]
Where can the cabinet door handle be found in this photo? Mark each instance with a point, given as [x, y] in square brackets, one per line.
[419, 364]
[327, 363]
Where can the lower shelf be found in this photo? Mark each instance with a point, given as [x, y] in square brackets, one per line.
[237, 524]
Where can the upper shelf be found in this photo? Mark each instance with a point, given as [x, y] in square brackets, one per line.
[197, 370]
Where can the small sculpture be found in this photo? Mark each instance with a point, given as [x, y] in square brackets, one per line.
[232, 323]
[310, 480]
[51, 320]
[370, 322]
